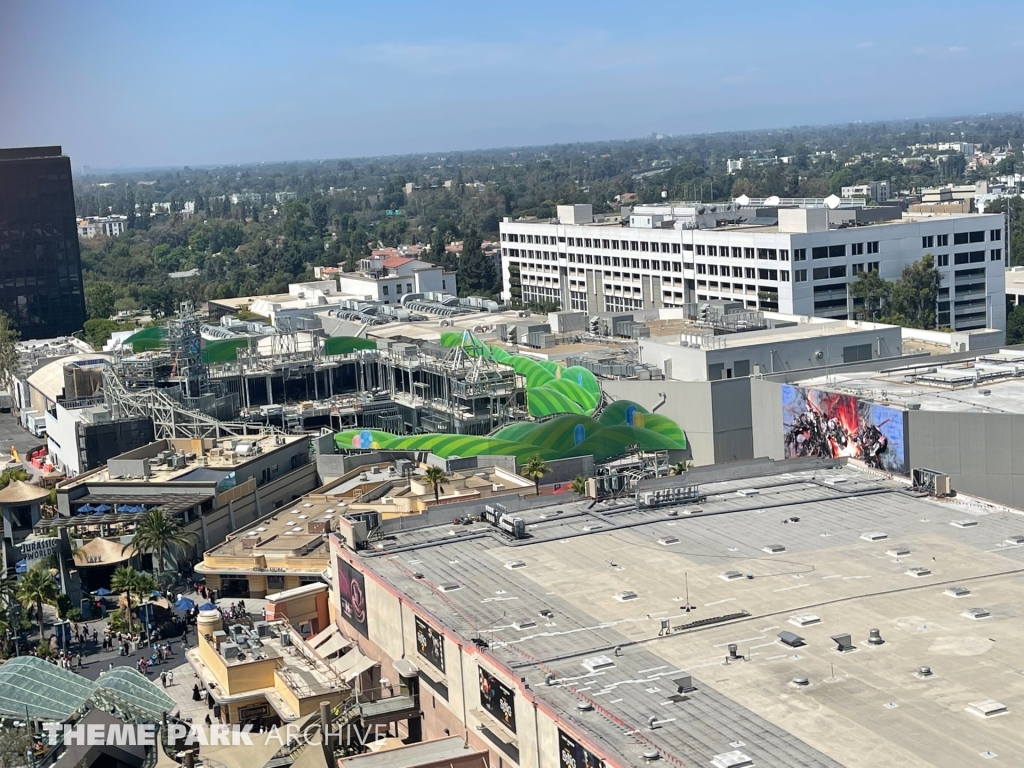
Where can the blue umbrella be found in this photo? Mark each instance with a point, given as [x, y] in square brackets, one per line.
[102, 591]
[103, 508]
[21, 566]
[98, 512]
[207, 607]
[86, 508]
[184, 604]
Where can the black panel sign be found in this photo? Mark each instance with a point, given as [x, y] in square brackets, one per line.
[571, 754]
[498, 699]
[430, 644]
[352, 591]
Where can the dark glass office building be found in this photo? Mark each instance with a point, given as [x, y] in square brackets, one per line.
[40, 264]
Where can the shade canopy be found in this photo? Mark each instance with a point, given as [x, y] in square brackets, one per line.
[20, 492]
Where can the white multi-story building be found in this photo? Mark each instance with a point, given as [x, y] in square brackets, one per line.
[797, 257]
[94, 226]
[387, 280]
[876, 190]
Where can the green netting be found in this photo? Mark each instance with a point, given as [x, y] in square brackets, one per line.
[442, 445]
[223, 350]
[345, 345]
[153, 337]
[33, 688]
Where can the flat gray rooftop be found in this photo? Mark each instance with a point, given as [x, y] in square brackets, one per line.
[839, 529]
[992, 383]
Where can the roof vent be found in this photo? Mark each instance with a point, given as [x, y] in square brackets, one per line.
[585, 706]
[626, 594]
[976, 613]
[918, 572]
[1014, 540]
[924, 672]
[964, 523]
[451, 586]
[589, 528]
[844, 643]
[692, 510]
[773, 549]
[899, 550]
[747, 492]
[684, 683]
[874, 536]
[987, 708]
[957, 591]
[668, 540]
[875, 637]
[651, 754]
[513, 564]
[523, 624]
[731, 575]
[801, 681]
[734, 759]
[791, 639]
[804, 619]
[598, 662]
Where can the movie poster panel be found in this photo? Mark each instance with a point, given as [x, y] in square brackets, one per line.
[430, 644]
[571, 754]
[498, 699]
[831, 425]
[352, 591]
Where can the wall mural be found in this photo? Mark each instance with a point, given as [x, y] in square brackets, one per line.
[816, 422]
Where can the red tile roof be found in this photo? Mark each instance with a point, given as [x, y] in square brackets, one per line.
[393, 262]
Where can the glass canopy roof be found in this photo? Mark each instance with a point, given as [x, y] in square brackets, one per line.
[33, 688]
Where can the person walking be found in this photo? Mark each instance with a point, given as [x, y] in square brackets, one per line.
[163, 679]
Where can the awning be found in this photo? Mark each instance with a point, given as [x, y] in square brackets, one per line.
[334, 645]
[352, 665]
[329, 642]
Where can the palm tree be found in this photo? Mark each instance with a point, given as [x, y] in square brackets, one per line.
[578, 486]
[130, 582]
[36, 588]
[535, 469]
[434, 477]
[680, 466]
[157, 533]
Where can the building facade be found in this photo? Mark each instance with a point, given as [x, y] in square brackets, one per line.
[799, 260]
[40, 264]
[106, 226]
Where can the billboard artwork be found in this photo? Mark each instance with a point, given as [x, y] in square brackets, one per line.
[498, 699]
[352, 592]
[833, 425]
[572, 755]
[430, 644]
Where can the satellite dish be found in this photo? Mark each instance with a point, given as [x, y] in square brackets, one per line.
[713, 208]
[832, 201]
[700, 209]
[773, 201]
[743, 200]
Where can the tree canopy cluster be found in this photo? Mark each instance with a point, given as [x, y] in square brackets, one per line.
[256, 228]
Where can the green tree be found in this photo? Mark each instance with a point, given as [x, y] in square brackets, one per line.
[158, 533]
[132, 584]
[99, 299]
[15, 744]
[476, 271]
[871, 293]
[319, 214]
[37, 588]
[915, 295]
[578, 486]
[534, 469]
[680, 467]
[8, 351]
[1015, 324]
[434, 477]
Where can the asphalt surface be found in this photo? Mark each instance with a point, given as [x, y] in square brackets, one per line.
[12, 435]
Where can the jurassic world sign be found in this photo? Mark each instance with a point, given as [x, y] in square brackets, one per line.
[36, 549]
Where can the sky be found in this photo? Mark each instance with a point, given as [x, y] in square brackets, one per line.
[132, 85]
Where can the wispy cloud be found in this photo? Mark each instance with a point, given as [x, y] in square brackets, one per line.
[862, 46]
